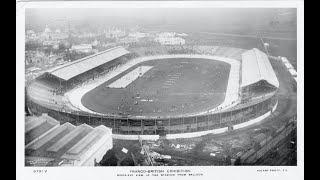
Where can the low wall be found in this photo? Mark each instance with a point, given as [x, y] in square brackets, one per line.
[194, 134]
[136, 137]
[253, 121]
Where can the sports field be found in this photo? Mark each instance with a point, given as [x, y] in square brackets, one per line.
[163, 87]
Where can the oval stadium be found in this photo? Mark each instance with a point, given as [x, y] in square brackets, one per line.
[162, 91]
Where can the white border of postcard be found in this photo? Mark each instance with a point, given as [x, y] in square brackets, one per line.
[209, 172]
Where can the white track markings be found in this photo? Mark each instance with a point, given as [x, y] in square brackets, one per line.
[173, 78]
[127, 79]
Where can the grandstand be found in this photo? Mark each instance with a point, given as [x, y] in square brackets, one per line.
[49, 88]
[251, 85]
[66, 76]
[50, 144]
[258, 76]
[75, 68]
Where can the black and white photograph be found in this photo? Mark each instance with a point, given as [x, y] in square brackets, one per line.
[159, 86]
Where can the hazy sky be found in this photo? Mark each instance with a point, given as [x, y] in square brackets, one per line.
[185, 16]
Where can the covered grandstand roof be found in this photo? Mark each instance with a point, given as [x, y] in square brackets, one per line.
[256, 67]
[50, 144]
[72, 69]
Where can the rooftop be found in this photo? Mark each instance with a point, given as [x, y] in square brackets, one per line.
[74, 68]
[64, 143]
[256, 67]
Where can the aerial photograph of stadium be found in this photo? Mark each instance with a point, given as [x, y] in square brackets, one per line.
[160, 87]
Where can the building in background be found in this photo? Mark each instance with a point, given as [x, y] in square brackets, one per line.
[47, 29]
[50, 35]
[166, 34]
[169, 38]
[182, 34]
[95, 43]
[58, 36]
[115, 33]
[83, 48]
[128, 40]
[31, 35]
[137, 35]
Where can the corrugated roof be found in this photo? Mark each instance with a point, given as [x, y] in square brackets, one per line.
[72, 69]
[39, 127]
[256, 67]
[66, 127]
[88, 142]
[69, 137]
[34, 122]
[67, 144]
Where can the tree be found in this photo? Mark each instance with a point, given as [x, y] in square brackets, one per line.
[127, 162]
[237, 162]
[32, 45]
[109, 159]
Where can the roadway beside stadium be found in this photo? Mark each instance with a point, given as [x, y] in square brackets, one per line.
[249, 95]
